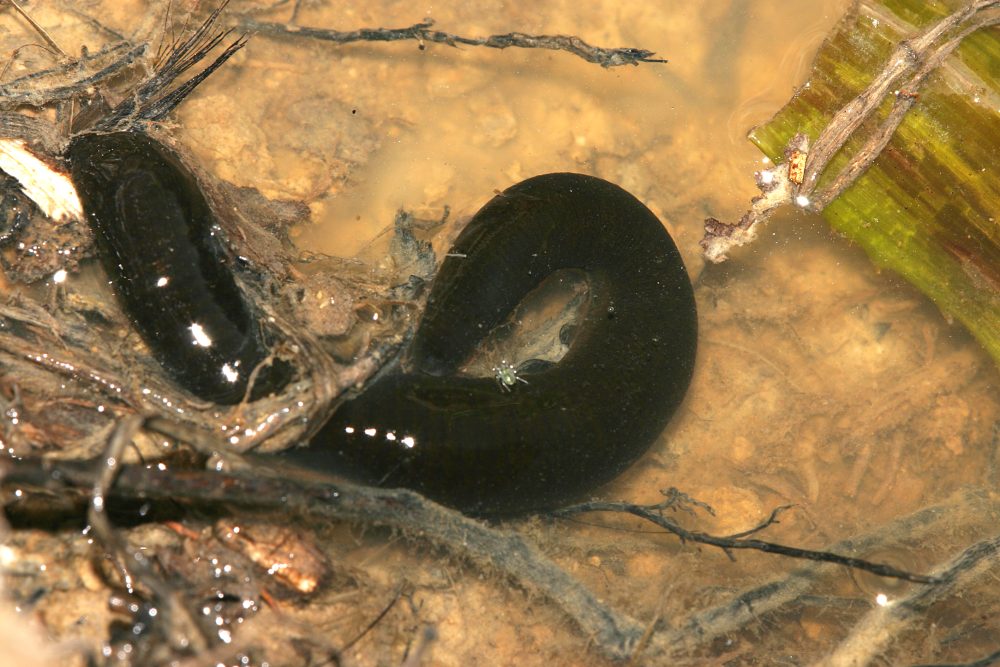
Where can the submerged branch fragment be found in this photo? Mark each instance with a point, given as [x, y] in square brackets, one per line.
[71, 79]
[968, 510]
[494, 549]
[501, 551]
[654, 514]
[422, 32]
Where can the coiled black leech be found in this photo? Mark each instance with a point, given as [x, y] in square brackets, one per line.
[159, 243]
[573, 426]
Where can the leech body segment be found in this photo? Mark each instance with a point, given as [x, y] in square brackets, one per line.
[159, 243]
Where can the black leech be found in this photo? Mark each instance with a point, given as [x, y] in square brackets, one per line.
[577, 423]
[158, 241]
[570, 427]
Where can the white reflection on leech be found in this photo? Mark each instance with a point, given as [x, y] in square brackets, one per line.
[200, 336]
[162, 281]
[407, 441]
[230, 373]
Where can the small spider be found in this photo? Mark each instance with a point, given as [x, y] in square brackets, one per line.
[506, 375]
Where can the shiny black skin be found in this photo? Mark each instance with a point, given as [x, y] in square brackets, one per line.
[576, 424]
[151, 223]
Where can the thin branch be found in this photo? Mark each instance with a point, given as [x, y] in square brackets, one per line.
[970, 510]
[497, 550]
[506, 553]
[37, 28]
[906, 97]
[908, 56]
[70, 79]
[422, 33]
[654, 514]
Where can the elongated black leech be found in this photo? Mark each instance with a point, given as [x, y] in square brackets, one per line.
[158, 239]
[160, 246]
[576, 424]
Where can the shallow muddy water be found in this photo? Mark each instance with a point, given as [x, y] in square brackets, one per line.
[821, 383]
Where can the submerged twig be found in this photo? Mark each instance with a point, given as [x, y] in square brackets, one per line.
[905, 97]
[504, 552]
[39, 29]
[422, 32]
[69, 80]
[917, 57]
[654, 514]
[704, 626]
